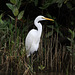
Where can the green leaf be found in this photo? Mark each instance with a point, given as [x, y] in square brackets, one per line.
[20, 15]
[70, 31]
[18, 4]
[3, 37]
[69, 49]
[11, 17]
[1, 16]
[14, 1]
[15, 11]
[45, 6]
[73, 35]
[1, 21]
[59, 5]
[69, 5]
[10, 6]
[69, 39]
[49, 15]
[36, 2]
[41, 67]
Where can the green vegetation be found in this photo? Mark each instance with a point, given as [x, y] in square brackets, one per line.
[57, 44]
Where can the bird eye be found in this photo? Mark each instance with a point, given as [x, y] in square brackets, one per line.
[43, 17]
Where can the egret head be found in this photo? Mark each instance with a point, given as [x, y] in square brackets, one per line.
[41, 18]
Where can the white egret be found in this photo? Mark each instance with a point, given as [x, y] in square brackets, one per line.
[33, 37]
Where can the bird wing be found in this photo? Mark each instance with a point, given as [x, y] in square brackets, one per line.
[31, 37]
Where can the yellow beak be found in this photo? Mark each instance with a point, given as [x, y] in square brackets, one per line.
[48, 19]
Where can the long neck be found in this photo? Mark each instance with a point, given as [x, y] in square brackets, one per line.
[39, 27]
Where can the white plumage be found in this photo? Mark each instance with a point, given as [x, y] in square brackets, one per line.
[33, 37]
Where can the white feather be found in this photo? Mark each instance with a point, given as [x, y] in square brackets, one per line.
[33, 37]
